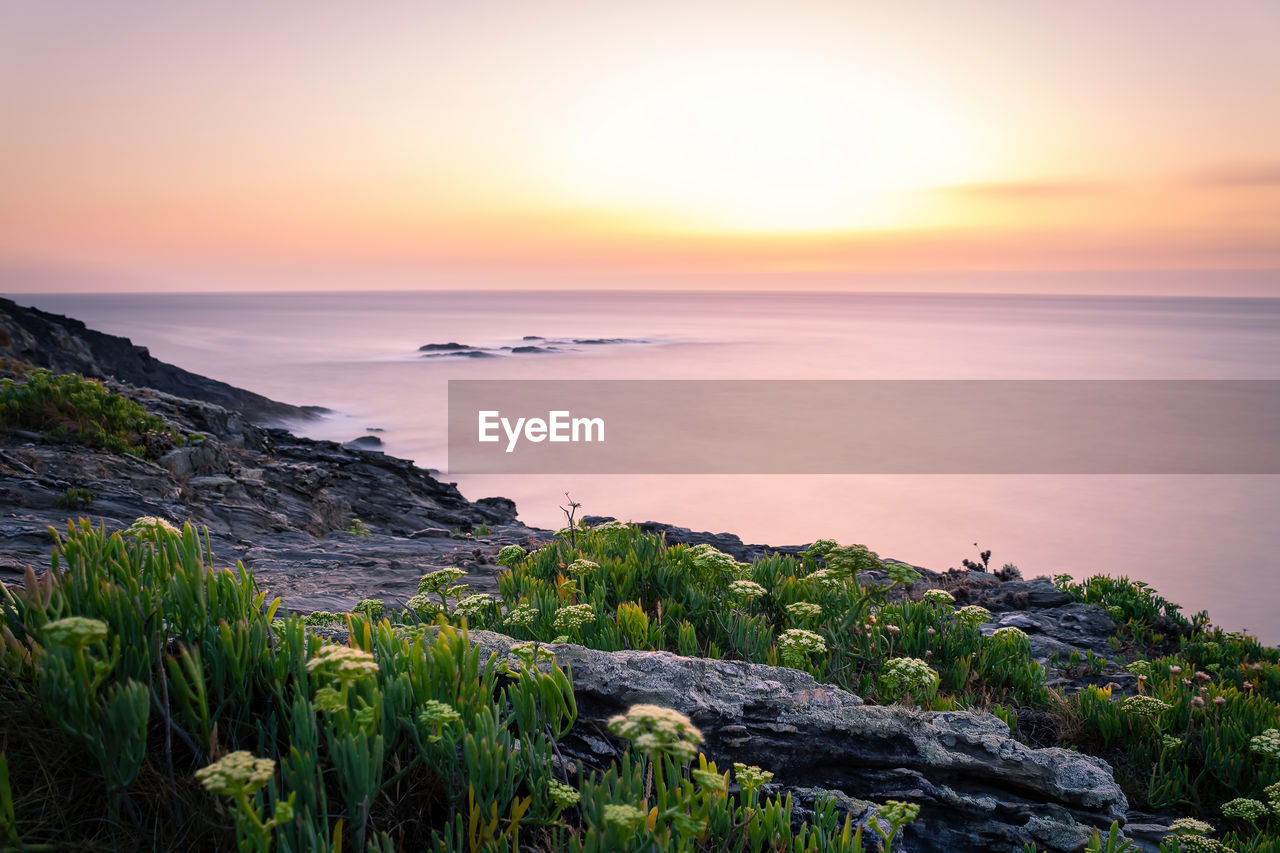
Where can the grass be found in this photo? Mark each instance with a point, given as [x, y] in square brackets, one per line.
[151, 700]
[68, 408]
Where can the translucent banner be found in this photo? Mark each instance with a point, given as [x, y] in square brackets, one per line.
[864, 427]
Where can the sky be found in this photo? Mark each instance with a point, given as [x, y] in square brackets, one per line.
[819, 143]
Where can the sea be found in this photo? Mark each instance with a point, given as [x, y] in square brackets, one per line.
[1206, 541]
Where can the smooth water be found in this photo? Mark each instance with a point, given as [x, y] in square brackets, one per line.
[1207, 541]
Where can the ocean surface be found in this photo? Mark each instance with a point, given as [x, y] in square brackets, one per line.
[1209, 542]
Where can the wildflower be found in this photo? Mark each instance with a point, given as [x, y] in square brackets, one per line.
[473, 605]
[1198, 702]
[706, 558]
[421, 603]
[901, 573]
[746, 589]
[822, 576]
[1203, 676]
[938, 596]
[321, 618]
[510, 555]
[75, 631]
[1184, 826]
[898, 812]
[802, 610]
[1175, 670]
[236, 774]
[1010, 632]
[658, 731]
[532, 654]
[581, 567]
[573, 616]
[750, 778]
[624, 817]
[434, 714]
[971, 615]
[1244, 808]
[563, 795]
[150, 528]
[1273, 792]
[1170, 742]
[1116, 613]
[370, 608]
[796, 643]
[893, 629]
[908, 675]
[711, 780]
[1201, 844]
[522, 616]
[1267, 743]
[1140, 668]
[343, 663]
[1144, 706]
[440, 580]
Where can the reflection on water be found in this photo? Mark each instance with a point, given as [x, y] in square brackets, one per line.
[1204, 540]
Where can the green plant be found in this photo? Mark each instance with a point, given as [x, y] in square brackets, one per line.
[358, 528]
[70, 408]
[74, 499]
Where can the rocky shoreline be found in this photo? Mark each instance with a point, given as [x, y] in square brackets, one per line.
[286, 505]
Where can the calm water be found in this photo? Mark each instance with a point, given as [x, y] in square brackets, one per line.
[1206, 541]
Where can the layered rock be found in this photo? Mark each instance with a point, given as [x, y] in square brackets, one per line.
[979, 789]
[65, 345]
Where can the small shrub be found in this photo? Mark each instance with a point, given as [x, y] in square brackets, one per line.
[74, 499]
[72, 409]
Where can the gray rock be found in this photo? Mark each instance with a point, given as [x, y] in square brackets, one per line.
[978, 788]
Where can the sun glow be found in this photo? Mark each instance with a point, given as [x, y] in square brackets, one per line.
[743, 144]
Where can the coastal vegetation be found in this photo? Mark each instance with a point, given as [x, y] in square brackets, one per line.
[151, 699]
[68, 408]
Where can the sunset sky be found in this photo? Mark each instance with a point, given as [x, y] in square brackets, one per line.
[162, 145]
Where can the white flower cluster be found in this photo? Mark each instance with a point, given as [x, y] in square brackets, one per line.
[422, 603]
[1244, 809]
[343, 663]
[746, 589]
[1267, 743]
[707, 558]
[574, 616]
[1143, 706]
[521, 617]
[1190, 826]
[826, 577]
[151, 528]
[236, 773]
[440, 580]
[655, 731]
[510, 555]
[795, 643]
[434, 713]
[938, 596]
[802, 610]
[580, 567]
[473, 605]
[1140, 667]
[971, 616]
[908, 675]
